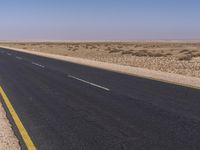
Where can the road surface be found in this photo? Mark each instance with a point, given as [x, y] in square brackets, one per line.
[68, 106]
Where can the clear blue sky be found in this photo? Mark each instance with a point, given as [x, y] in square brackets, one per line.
[99, 19]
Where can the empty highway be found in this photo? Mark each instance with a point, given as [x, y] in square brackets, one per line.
[73, 107]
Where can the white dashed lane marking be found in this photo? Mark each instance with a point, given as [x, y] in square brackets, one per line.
[90, 83]
[18, 57]
[34, 63]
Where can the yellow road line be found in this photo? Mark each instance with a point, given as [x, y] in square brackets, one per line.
[18, 122]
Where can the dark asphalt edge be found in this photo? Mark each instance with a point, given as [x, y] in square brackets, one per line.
[13, 125]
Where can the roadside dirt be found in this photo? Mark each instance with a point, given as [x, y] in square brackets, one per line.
[172, 57]
[8, 140]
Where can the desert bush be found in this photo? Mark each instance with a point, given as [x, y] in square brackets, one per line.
[197, 55]
[184, 51]
[115, 51]
[35, 44]
[106, 45]
[22, 44]
[150, 54]
[119, 46]
[127, 52]
[168, 54]
[87, 46]
[140, 53]
[185, 58]
[136, 45]
[93, 47]
[189, 53]
[74, 49]
[108, 49]
[77, 46]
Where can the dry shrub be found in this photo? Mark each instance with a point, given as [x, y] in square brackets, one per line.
[127, 52]
[168, 54]
[77, 46]
[115, 51]
[75, 49]
[188, 57]
[150, 54]
[194, 51]
[140, 53]
[184, 51]
[22, 44]
[185, 58]
[136, 46]
[93, 47]
[108, 49]
[87, 46]
[146, 53]
[106, 45]
[198, 54]
[51, 46]
[119, 46]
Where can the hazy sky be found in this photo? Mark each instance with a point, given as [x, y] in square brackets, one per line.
[99, 19]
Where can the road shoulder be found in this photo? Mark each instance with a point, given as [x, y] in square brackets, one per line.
[8, 141]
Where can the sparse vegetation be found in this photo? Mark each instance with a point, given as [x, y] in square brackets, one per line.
[140, 53]
[119, 46]
[146, 53]
[174, 57]
[108, 49]
[127, 52]
[185, 58]
[115, 51]
[184, 51]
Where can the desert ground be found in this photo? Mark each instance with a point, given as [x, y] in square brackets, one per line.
[8, 140]
[173, 57]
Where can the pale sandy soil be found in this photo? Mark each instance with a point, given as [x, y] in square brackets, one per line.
[173, 57]
[8, 140]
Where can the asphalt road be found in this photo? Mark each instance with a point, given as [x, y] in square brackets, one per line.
[68, 106]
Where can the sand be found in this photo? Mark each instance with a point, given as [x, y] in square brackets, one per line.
[8, 140]
[172, 57]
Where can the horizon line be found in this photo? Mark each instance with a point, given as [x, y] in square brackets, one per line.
[82, 41]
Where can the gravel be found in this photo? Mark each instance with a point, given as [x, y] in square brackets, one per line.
[8, 140]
